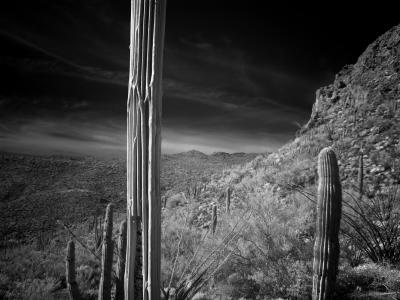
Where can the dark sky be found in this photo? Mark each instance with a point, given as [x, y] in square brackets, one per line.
[238, 75]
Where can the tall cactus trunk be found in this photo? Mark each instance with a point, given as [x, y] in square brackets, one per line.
[72, 285]
[329, 206]
[119, 285]
[360, 176]
[144, 150]
[106, 256]
[214, 220]
[228, 200]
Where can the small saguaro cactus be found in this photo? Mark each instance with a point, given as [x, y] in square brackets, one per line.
[214, 220]
[72, 285]
[360, 176]
[329, 206]
[106, 256]
[98, 238]
[119, 284]
[228, 200]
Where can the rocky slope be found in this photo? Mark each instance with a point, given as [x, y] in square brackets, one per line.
[358, 114]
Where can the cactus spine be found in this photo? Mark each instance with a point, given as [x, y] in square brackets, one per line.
[106, 256]
[326, 247]
[228, 200]
[72, 285]
[119, 284]
[214, 220]
[143, 257]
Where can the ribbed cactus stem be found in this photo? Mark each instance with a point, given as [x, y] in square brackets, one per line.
[214, 219]
[360, 176]
[72, 286]
[106, 256]
[329, 206]
[144, 150]
[228, 200]
[119, 285]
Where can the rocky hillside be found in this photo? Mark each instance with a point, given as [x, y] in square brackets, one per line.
[358, 114]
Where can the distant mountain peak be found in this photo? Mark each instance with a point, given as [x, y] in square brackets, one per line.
[192, 153]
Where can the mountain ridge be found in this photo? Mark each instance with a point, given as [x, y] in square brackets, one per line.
[355, 115]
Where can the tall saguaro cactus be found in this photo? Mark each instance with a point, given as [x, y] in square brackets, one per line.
[107, 256]
[144, 150]
[329, 206]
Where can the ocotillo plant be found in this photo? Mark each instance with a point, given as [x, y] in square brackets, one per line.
[214, 219]
[144, 150]
[119, 283]
[72, 285]
[329, 206]
[228, 200]
[360, 176]
[106, 256]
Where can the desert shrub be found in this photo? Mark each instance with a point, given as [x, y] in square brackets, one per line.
[368, 277]
[176, 200]
[29, 274]
[372, 223]
[273, 254]
[192, 256]
[300, 173]
[175, 229]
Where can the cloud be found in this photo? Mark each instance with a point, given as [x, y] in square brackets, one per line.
[62, 136]
[217, 96]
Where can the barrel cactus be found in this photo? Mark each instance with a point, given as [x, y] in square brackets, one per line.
[329, 206]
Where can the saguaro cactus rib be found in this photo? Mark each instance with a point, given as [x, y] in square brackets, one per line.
[144, 149]
[326, 247]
